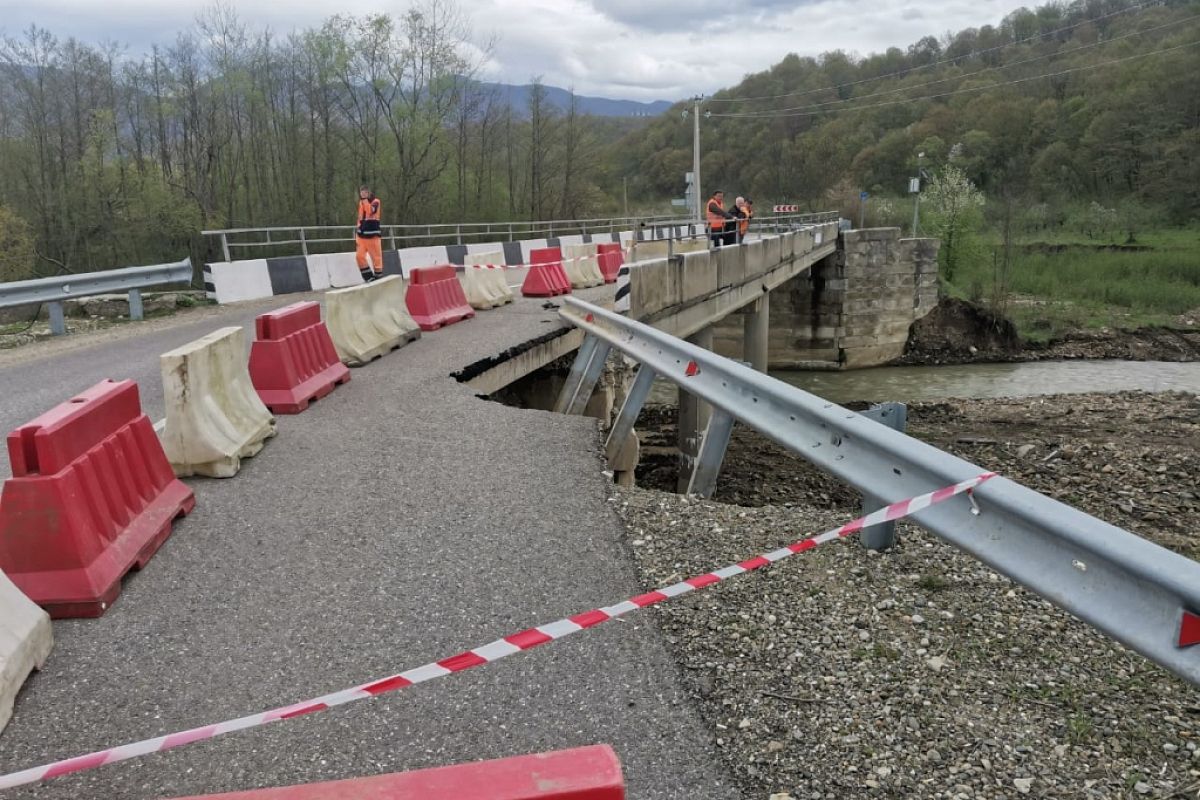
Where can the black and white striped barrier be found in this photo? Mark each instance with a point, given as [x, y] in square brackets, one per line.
[253, 279]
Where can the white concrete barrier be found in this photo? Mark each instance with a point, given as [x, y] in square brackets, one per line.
[25, 642]
[368, 321]
[492, 283]
[234, 281]
[336, 270]
[588, 267]
[214, 416]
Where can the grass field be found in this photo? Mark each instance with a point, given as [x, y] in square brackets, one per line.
[1083, 287]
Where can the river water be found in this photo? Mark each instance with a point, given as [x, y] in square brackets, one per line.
[909, 384]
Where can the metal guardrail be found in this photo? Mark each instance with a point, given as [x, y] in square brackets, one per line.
[1140, 594]
[53, 291]
[306, 236]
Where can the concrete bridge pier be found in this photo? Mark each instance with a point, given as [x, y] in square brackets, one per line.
[694, 414]
[756, 330]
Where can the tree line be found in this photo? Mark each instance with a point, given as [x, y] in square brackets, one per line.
[111, 159]
[1111, 124]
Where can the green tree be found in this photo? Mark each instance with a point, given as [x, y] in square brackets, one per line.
[955, 215]
[16, 247]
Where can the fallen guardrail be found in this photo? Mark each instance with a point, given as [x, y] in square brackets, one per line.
[53, 291]
[1142, 595]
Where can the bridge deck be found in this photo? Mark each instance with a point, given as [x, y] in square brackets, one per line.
[398, 521]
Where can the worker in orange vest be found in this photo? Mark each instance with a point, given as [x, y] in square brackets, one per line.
[368, 236]
[745, 213]
[717, 218]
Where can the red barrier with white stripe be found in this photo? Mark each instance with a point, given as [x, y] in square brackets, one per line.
[509, 645]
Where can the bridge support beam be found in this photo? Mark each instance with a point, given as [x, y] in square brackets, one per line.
[756, 328]
[693, 419]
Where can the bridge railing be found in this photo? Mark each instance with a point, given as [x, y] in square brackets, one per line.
[235, 242]
[53, 291]
[1140, 594]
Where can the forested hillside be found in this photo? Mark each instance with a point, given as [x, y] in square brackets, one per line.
[111, 158]
[1116, 119]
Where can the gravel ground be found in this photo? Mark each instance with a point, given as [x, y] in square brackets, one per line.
[920, 672]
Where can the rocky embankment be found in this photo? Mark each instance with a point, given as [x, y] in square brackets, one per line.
[920, 672]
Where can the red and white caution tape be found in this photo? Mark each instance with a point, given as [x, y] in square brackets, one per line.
[624, 251]
[509, 645]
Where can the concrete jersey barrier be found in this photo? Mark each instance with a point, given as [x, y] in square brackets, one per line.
[214, 416]
[25, 643]
[583, 266]
[369, 321]
[486, 286]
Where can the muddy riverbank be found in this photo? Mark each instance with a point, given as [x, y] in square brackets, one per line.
[957, 332]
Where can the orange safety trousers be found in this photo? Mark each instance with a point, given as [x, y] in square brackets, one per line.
[369, 246]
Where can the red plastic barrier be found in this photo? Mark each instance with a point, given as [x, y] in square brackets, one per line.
[585, 773]
[611, 258]
[546, 277]
[92, 496]
[292, 360]
[435, 298]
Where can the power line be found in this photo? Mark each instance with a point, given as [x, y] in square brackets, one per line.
[761, 115]
[899, 89]
[910, 70]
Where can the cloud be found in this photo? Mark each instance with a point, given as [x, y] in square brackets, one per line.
[629, 49]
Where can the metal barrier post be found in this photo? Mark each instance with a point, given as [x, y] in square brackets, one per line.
[58, 324]
[712, 454]
[135, 304]
[881, 537]
[225, 246]
[630, 409]
[575, 378]
[303, 244]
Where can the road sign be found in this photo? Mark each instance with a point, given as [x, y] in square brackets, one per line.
[786, 209]
[680, 201]
[914, 185]
[863, 195]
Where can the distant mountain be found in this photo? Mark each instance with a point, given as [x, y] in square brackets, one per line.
[518, 98]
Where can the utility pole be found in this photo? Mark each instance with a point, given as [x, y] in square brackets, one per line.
[625, 193]
[916, 189]
[695, 112]
[696, 159]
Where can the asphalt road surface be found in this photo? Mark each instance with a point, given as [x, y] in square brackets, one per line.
[398, 521]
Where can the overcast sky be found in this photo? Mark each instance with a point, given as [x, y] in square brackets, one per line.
[627, 49]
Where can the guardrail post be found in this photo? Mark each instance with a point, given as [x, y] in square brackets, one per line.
[135, 304]
[585, 372]
[58, 322]
[225, 246]
[881, 537]
[712, 454]
[693, 419]
[630, 409]
[303, 244]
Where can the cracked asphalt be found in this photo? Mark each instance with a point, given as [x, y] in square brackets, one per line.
[398, 521]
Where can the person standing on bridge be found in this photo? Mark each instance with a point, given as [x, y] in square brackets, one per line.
[368, 236]
[717, 217]
[745, 213]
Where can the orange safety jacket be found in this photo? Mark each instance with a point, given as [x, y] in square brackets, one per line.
[744, 222]
[368, 219]
[716, 218]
